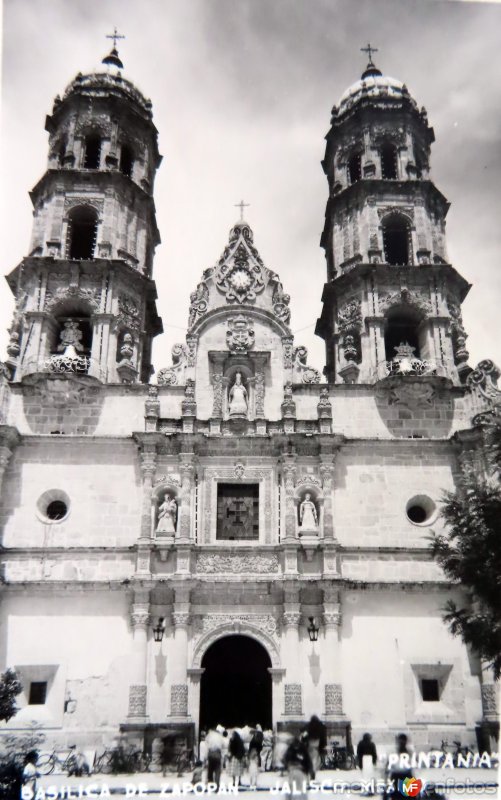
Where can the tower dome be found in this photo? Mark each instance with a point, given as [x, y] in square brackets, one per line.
[372, 88]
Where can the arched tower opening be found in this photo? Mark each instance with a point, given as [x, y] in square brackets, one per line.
[72, 333]
[126, 164]
[396, 240]
[82, 233]
[389, 161]
[92, 151]
[402, 327]
[355, 168]
[236, 684]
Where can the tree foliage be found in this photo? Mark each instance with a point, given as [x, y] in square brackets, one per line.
[10, 687]
[470, 553]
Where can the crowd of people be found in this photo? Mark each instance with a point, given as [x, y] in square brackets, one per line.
[252, 750]
[247, 751]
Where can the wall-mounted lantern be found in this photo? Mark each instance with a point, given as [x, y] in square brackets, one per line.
[159, 630]
[312, 629]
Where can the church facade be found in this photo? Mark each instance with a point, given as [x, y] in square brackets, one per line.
[238, 539]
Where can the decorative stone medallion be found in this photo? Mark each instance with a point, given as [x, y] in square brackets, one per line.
[240, 281]
[240, 335]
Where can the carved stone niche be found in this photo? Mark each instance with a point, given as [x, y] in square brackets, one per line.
[238, 382]
[308, 503]
[165, 504]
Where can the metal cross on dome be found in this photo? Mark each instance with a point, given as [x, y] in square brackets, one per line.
[369, 50]
[115, 36]
[241, 205]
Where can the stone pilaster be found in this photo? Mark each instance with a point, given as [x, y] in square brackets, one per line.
[490, 695]
[327, 467]
[179, 670]
[151, 409]
[184, 533]
[324, 412]
[140, 620]
[217, 388]
[289, 478]
[293, 700]
[291, 620]
[148, 468]
[332, 619]
[189, 407]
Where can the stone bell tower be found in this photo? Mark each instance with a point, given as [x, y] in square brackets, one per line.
[392, 301]
[85, 300]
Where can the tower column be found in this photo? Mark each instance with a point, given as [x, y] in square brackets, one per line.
[293, 692]
[332, 653]
[184, 533]
[140, 619]
[179, 673]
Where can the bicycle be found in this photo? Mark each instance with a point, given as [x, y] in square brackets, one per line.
[47, 763]
[120, 759]
[456, 750]
[338, 758]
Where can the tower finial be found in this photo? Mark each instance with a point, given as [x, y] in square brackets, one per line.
[241, 205]
[113, 59]
[371, 71]
[369, 50]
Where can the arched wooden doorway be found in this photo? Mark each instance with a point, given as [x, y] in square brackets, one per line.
[236, 684]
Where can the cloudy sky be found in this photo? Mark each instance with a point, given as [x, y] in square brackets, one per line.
[242, 92]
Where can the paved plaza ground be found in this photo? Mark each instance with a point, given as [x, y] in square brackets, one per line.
[468, 783]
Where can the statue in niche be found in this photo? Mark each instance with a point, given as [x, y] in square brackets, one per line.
[167, 515]
[70, 337]
[308, 517]
[238, 397]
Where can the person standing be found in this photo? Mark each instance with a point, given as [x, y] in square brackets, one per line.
[256, 741]
[298, 764]
[30, 773]
[367, 757]
[254, 764]
[236, 751]
[214, 742]
[317, 740]
[400, 772]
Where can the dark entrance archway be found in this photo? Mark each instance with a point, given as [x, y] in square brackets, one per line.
[236, 685]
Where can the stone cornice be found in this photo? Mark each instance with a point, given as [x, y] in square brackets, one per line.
[409, 274]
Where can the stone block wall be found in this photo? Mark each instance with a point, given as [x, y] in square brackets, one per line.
[374, 482]
[100, 479]
[81, 644]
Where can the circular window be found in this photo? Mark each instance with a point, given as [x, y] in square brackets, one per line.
[57, 509]
[53, 506]
[421, 510]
